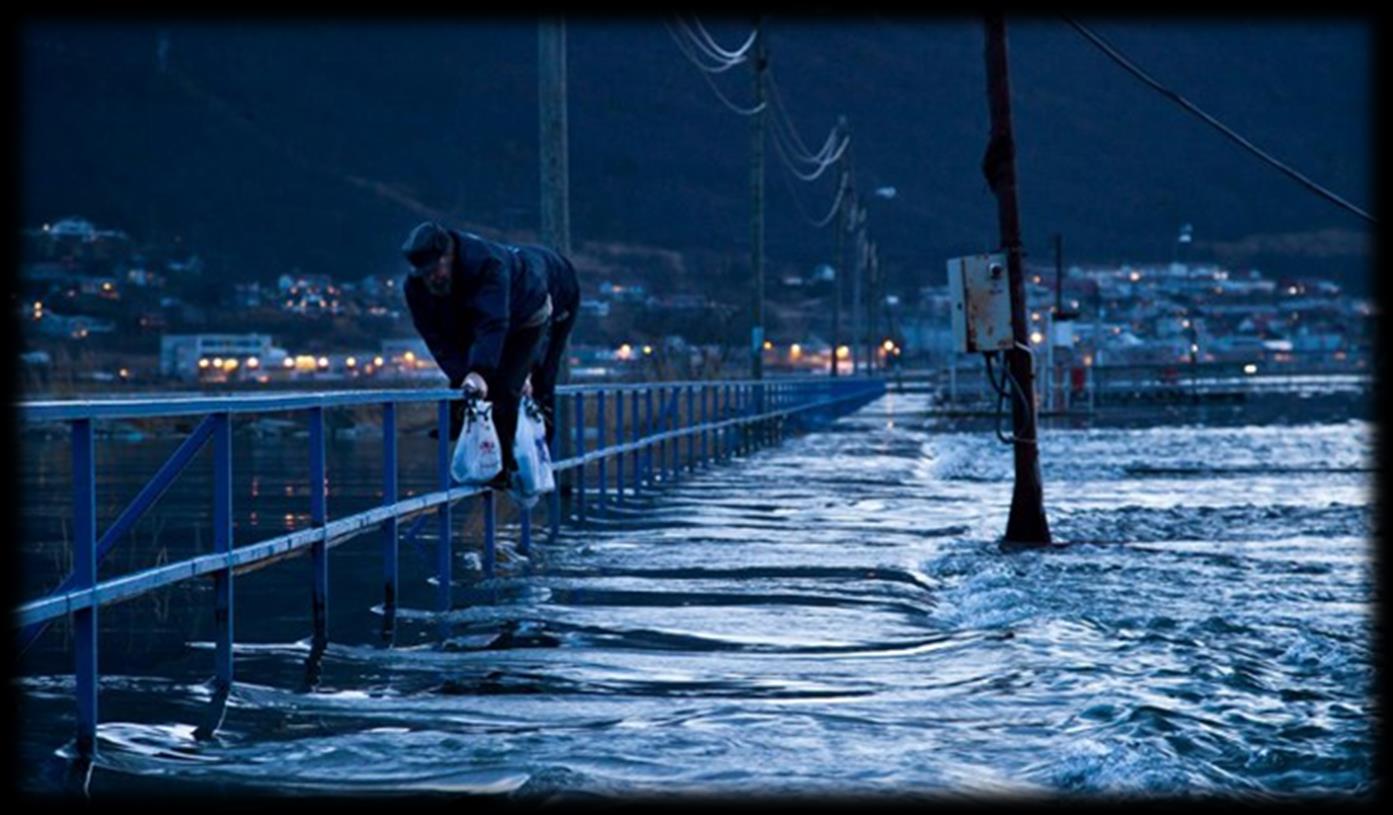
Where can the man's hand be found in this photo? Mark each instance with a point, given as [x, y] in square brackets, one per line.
[475, 383]
[527, 386]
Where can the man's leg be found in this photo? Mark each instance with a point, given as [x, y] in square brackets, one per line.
[505, 392]
[544, 373]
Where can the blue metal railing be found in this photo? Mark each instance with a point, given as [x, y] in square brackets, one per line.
[722, 419]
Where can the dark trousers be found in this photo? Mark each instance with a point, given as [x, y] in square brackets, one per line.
[520, 350]
[548, 364]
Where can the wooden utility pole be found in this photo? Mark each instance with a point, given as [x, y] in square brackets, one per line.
[1026, 523]
[761, 62]
[551, 88]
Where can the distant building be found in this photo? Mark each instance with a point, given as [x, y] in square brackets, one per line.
[180, 353]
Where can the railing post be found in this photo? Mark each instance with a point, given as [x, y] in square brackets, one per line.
[490, 533]
[637, 425]
[319, 550]
[85, 572]
[705, 433]
[619, 440]
[690, 425]
[648, 431]
[670, 445]
[579, 401]
[390, 527]
[444, 551]
[659, 426]
[222, 544]
[600, 445]
[558, 435]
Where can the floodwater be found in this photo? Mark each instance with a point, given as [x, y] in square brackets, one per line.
[830, 617]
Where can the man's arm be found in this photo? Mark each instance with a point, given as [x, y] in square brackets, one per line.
[490, 319]
[453, 361]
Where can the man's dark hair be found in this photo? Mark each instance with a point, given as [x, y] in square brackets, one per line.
[424, 246]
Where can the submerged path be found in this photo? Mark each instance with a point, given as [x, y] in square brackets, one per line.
[831, 616]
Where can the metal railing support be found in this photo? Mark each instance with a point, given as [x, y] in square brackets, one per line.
[600, 445]
[579, 403]
[85, 577]
[319, 554]
[222, 544]
[444, 550]
[391, 530]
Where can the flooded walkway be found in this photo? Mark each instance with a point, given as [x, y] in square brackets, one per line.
[830, 616]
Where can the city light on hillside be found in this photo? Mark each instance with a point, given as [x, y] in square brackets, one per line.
[768, 345]
[647, 349]
[217, 362]
[843, 352]
[351, 362]
[888, 345]
[288, 363]
[1036, 337]
[203, 363]
[230, 365]
[1250, 369]
[626, 351]
[377, 361]
[795, 351]
[324, 362]
[253, 362]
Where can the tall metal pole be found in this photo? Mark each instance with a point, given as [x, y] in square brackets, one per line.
[551, 93]
[839, 270]
[761, 62]
[858, 270]
[1026, 523]
[872, 304]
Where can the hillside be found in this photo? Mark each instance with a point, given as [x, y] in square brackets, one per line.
[317, 144]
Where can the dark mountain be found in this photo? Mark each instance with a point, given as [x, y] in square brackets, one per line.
[272, 145]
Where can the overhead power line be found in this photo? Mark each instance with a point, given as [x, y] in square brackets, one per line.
[822, 166]
[1127, 64]
[684, 42]
[831, 213]
[706, 74]
[787, 121]
[737, 54]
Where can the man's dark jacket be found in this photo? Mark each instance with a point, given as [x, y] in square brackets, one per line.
[492, 288]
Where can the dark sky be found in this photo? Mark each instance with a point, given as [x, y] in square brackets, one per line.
[317, 144]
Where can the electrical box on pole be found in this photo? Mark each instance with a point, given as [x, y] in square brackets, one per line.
[980, 290]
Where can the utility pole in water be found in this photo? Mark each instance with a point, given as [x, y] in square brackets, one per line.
[1027, 523]
[840, 268]
[757, 195]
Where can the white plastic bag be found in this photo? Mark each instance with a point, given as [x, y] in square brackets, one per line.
[478, 457]
[534, 459]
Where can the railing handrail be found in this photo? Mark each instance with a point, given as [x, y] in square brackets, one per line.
[33, 412]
